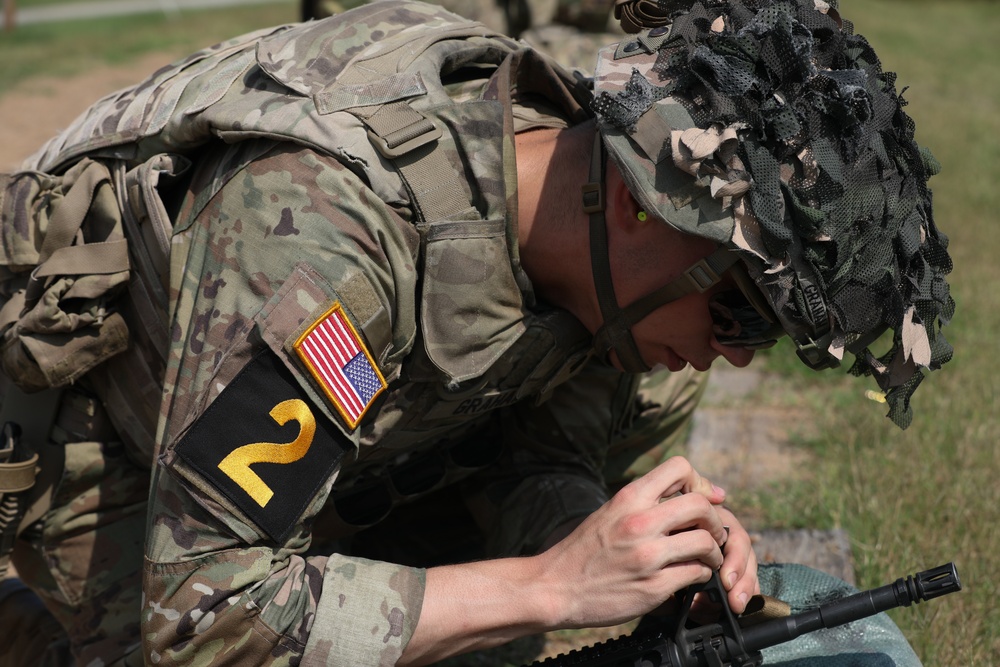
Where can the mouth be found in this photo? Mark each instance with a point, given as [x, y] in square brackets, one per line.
[674, 362]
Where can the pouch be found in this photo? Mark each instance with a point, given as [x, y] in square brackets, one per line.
[63, 261]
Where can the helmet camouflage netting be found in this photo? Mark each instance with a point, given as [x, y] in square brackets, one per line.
[788, 144]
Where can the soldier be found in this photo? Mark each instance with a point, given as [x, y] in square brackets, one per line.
[363, 305]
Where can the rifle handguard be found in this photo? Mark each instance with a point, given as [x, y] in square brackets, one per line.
[727, 644]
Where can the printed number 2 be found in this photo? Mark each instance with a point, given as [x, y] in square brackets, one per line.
[237, 463]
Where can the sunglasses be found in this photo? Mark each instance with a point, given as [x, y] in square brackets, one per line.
[740, 315]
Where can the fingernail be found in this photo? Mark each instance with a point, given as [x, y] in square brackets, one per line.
[731, 578]
[718, 489]
[743, 598]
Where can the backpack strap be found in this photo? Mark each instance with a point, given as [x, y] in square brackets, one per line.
[408, 139]
[59, 256]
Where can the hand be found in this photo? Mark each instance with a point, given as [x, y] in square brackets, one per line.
[739, 567]
[658, 534]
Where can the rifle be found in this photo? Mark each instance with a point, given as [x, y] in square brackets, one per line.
[724, 643]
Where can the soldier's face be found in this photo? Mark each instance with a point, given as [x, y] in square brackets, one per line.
[679, 333]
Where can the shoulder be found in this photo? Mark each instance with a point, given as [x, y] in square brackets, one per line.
[290, 193]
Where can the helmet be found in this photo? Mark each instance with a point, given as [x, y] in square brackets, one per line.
[769, 127]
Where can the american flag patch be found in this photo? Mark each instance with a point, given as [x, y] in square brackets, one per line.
[333, 352]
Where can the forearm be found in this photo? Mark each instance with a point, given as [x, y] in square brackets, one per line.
[657, 535]
[479, 605]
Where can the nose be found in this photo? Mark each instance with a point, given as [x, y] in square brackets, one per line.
[737, 356]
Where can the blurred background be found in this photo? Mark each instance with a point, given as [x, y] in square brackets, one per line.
[908, 500]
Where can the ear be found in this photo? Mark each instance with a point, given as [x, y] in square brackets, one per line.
[623, 208]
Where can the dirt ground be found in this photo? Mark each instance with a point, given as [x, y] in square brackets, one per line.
[33, 111]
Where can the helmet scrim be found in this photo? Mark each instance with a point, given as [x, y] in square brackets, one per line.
[770, 127]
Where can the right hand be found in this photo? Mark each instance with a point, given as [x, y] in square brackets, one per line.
[660, 533]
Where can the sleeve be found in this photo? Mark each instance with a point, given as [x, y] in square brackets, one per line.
[659, 425]
[248, 447]
[597, 432]
[555, 452]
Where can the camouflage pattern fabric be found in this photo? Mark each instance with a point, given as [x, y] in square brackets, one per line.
[31, 637]
[418, 418]
[84, 557]
[557, 348]
[659, 425]
[570, 31]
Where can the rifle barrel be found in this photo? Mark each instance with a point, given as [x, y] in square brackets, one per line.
[903, 592]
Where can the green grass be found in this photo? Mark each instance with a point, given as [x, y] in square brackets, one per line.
[917, 498]
[24, 4]
[68, 48]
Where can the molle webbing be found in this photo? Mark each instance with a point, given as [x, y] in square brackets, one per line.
[59, 255]
[59, 321]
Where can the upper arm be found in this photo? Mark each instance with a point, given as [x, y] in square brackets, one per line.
[251, 437]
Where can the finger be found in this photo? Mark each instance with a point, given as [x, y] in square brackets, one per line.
[692, 545]
[739, 568]
[745, 587]
[677, 576]
[684, 513]
[677, 475]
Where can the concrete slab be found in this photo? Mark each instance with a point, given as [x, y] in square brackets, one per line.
[825, 550]
[726, 383]
[741, 445]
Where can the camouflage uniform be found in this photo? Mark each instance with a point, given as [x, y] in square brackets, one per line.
[469, 381]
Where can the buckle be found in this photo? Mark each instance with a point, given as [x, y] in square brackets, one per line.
[593, 197]
[403, 141]
[815, 357]
[17, 469]
[702, 275]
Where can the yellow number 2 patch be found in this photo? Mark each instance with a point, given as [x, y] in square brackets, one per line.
[263, 447]
[237, 463]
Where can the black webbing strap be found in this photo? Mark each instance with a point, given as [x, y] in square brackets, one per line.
[611, 336]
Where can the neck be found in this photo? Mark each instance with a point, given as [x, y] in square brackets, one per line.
[553, 234]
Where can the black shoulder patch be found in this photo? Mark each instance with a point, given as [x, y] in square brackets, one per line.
[264, 446]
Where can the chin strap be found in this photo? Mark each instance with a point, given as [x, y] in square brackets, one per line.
[615, 334]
